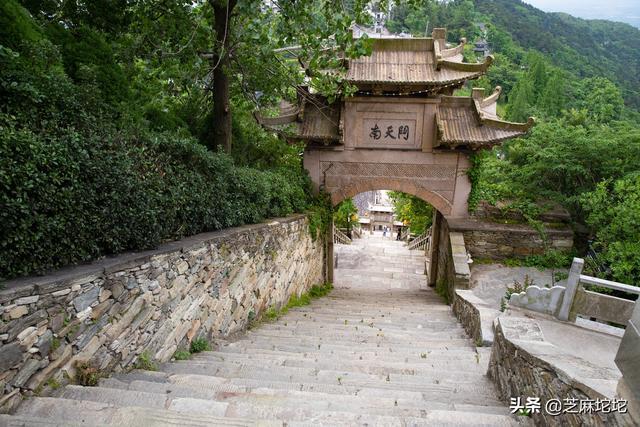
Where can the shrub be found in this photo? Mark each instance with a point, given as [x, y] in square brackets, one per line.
[76, 183]
[144, 362]
[182, 355]
[74, 198]
[199, 345]
[518, 287]
[87, 375]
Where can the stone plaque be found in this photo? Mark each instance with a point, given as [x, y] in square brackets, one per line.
[389, 132]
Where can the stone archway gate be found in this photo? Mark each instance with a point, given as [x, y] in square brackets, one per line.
[403, 130]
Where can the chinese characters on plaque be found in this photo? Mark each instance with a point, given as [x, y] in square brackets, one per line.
[390, 132]
[398, 133]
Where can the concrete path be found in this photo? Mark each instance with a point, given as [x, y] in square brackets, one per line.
[381, 349]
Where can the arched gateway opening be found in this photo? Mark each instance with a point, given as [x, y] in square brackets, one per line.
[386, 237]
[403, 130]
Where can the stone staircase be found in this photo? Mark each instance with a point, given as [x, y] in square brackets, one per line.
[381, 349]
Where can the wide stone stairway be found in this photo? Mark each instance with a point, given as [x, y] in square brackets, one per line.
[381, 349]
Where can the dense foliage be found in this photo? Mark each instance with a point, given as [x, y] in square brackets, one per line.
[413, 211]
[103, 143]
[346, 215]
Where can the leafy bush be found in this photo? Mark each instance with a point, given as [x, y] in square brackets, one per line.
[199, 345]
[74, 198]
[145, 362]
[518, 287]
[182, 355]
[87, 374]
[613, 213]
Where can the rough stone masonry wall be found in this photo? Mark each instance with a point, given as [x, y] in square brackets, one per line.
[524, 365]
[490, 240]
[109, 312]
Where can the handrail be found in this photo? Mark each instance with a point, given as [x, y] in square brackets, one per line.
[419, 242]
[588, 280]
[356, 232]
[576, 278]
[340, 237]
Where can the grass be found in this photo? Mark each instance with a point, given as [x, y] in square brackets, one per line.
[182, 355]
[144, 362]
[550, 259]
[87, 375]
[301, 300]
[442, 289]
[53, 384]
[199, 345]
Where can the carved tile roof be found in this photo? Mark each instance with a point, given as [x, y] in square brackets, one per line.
[314, 119]
[413, 62]
[465, 121]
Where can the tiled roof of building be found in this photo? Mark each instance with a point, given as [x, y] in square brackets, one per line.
[313, 119]
[472, 122]
[413, 62]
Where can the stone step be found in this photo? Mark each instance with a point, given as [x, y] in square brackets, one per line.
[470, 363]
[459, 394]
[458, 380]
[358, 334]
[411, 406]
[384, 272]
[424, 330]
[417, 357]
[29, 421]
[416, 304]
[310, 400]
[91, 413]
[423, 326]
[247, 405]
[314, 344]
[427, 310]
[380, 318]
[461, 370]
[444, 419]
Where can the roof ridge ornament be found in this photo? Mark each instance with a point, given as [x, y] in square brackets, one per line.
[493, 98]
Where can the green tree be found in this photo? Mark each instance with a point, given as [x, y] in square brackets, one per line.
[537, 72]
[613, 214]
[553, 98]
[345, 216]
[520, 100]
[602, 99]
[412, 210]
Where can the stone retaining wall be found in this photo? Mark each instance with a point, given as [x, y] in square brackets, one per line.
[475, 316]
[109, 312]
[490, 240]
[524, 365]
[452, 268]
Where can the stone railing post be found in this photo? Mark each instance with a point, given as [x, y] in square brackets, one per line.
[628, 361]
[573, 281]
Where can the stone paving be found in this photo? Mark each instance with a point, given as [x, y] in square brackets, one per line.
[489, 281]
[381, 349]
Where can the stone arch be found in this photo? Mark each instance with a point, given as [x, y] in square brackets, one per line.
[434, 199]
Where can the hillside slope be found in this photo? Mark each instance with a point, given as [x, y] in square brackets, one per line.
[587, 47]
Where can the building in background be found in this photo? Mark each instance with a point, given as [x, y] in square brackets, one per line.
[376, 211]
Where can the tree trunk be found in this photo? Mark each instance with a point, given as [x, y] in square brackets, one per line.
[221, 106]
